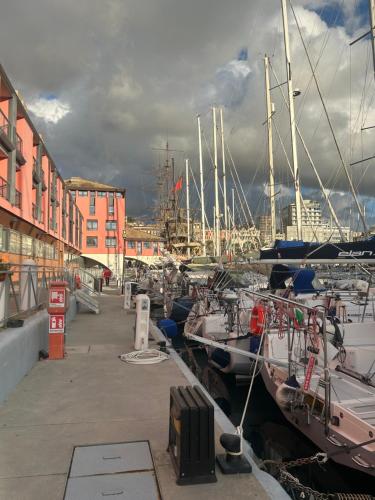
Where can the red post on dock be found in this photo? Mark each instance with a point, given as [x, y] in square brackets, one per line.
[58, 302]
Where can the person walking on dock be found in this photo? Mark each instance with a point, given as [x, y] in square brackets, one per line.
[106, 275]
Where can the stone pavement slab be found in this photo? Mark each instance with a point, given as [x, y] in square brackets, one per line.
[93, 397]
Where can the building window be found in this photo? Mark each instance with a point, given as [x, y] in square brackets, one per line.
[111, 204]
[147, 244]
[92, 241]
[111, 225]
[131, 245]
[82, 193]
[92, 203]
[155, 245]
[102, 194]
[139, 247]
[118, 195]
[73, 193]
[110, 242]
[91, 224]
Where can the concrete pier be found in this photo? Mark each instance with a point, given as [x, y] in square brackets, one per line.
[92, 397]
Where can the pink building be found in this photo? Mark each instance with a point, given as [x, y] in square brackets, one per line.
[103, 210]
[38, 217]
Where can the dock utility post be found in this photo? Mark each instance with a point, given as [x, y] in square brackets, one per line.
[192, 436]
[233, 462]
[142, 322]
[58, 304]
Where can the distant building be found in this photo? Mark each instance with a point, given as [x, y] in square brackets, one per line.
[39, 219]
[321, 233]
[264, 226]
[103, 209]
[238, 240]
[141, 226]
[142, 245]
[311, 214]
[313, 226]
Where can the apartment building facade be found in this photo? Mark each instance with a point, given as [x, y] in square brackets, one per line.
[39, 219]
[314, 228]
[103, 210]
[311, 214]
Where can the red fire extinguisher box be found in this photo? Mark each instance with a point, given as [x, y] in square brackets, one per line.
[58, 300]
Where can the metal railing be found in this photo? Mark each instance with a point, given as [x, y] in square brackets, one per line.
[43, 181]
[3, 187]
[19, 143]
[24, 288]
[18, 199]
[89, 282]
[4, 124]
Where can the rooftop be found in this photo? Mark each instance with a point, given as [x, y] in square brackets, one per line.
[78, 183]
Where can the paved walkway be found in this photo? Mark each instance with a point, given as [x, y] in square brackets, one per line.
[93, 397]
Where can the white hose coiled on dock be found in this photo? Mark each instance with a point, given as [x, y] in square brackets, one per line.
[146, 357]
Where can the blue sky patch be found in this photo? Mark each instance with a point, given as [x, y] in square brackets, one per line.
[243, 54]
[49, 97]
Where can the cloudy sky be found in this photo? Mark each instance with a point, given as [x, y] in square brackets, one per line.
[106, 81]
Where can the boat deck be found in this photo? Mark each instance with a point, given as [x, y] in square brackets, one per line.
[91, 397]
[351, 394]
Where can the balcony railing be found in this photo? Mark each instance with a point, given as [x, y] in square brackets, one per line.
[19, 143]
[3, 187]
[44, 185]
[53, 193]
[18, 199]
[5, 129]
[19, 151]
[36, 175]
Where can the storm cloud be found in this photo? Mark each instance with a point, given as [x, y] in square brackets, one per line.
[109, 80]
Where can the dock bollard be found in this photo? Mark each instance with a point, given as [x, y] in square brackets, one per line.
[233, 462]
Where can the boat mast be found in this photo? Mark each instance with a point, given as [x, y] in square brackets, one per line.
[216, 177]
[321, 185]
[233, 221]
[187, 205]
[371, 4]
[203, 214]
[292, 121]
[270, 149]
[224, 174]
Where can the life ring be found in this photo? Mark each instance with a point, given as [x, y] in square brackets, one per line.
[257, 320]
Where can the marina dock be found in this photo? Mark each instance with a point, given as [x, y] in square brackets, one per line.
[92, 397]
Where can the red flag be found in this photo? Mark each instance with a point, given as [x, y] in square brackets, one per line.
[178, 185]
